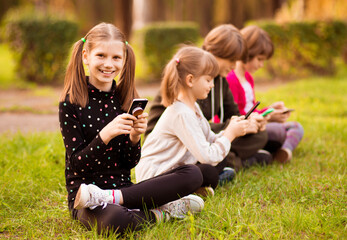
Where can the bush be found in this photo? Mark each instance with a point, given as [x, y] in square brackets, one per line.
[41, 45]
[304, 48]
[160, 41]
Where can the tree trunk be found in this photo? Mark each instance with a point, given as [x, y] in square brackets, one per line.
[123, 17]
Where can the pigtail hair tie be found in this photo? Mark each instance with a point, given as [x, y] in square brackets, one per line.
[83, 40]
[177, 61]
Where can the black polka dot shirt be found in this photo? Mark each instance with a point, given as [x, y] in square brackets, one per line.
[88, 159]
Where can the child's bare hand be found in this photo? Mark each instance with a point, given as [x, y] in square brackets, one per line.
[253, 126]
[279, 116]
[258, 121]
[139, 127]
[122, 124]
[277, 105]
[237, 127]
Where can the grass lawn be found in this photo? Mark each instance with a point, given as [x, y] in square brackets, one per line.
[305, 199]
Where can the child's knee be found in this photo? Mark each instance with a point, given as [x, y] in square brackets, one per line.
[195, 176]
[300, 128]
[276, 132]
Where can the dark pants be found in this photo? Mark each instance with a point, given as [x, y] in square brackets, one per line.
[210, 174]
[147, 194]
[245, 147]
[248, 145]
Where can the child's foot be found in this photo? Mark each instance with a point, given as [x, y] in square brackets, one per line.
[91, 196]
[262, 157]
[283, 155]
[227, 175]
[205, 191]
[180, 207]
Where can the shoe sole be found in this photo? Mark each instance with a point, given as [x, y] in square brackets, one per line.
[204, 192]
[82, 194]
[196, 203]
[282, 156]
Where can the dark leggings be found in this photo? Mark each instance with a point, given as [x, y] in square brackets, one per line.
[138, 198]
[210, 174]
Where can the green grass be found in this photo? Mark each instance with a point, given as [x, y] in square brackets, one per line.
[305, 199]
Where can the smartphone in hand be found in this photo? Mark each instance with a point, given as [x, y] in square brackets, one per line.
[138, 106]
[269, 110]
[288, 110]
[252, 109]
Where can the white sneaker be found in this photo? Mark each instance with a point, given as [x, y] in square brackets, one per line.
[180, 207]
[91, 196]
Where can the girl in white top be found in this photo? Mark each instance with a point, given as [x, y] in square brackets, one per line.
[182, 135]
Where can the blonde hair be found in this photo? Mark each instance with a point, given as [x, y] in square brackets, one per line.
[188, 60]
[225, 41]
[75, 83]
[258, 42]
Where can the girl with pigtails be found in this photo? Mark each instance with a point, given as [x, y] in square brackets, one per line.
[183, 135]
[102, 142]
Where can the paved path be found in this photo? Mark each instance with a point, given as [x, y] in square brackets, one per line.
[21, 111]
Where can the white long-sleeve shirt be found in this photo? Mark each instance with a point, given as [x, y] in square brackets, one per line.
[181, 136]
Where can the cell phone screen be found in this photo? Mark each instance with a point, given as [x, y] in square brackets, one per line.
[252, 109]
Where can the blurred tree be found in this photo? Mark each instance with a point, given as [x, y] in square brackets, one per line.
[6, 5]
[118, 12]
[300, 10]
[123, 17]
[154, 10]
[200, 11]
[208, 13]
[94, 12]
[238, 12]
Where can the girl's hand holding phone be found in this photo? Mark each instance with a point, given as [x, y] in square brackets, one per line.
[253, 125]
[257, 123]
[237, 127]
[122, 124]
[279, 116]
[139, 127]
[277, 105]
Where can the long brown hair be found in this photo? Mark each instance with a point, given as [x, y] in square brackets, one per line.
[258, 42]
[188, 60]
[75, 83]
[225, 41]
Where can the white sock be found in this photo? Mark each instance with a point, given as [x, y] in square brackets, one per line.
[116, 194]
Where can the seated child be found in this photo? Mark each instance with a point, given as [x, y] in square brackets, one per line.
[226, 44]
[102, 142]
[183, 135]
[241, 84]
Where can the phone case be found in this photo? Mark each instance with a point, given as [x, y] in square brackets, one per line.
[138, 106]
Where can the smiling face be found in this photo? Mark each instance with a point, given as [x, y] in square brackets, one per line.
[202, 86]
[254, 64]
[105, 62]
[225, 66]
